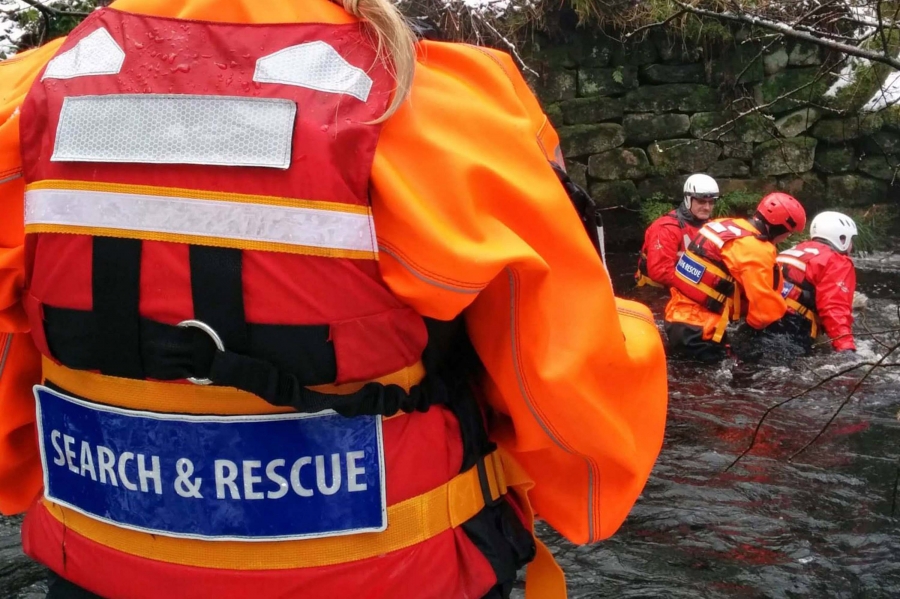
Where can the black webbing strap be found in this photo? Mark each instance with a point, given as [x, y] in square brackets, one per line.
[584, 205]
[116, 280]
[281, 388]
[169, 352]
[217, 291]
[485, 484]
[283, 361]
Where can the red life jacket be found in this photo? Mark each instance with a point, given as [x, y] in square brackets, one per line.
[213, 226]
[798, 292]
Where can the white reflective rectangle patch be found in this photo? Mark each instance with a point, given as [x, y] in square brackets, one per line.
[793, 252]
[96, 54]
[717, 227]
[255, 222]
[176, 129]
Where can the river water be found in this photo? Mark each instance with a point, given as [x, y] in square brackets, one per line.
[823, 524]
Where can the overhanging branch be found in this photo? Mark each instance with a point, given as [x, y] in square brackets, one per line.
[54, 12]
[789, 31]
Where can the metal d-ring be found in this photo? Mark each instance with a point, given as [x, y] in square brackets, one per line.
[199, 324]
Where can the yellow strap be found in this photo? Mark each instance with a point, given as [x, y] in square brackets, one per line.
[544, 579]
[724, 319]
[719, 297]
[409, 522]
[811, 316]
[709, 266]
[645, 280]
[797, 307]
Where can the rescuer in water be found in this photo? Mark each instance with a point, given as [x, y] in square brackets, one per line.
[670, 234]
[729, 272]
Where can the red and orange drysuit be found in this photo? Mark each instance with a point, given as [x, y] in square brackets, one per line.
[727, 272]
[193, 172]
[664, 241]
[819, 285]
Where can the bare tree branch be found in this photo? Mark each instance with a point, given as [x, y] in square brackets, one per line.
[792, 32]
[800, 394]
[846, 400]
[50, 11]
[653, 25]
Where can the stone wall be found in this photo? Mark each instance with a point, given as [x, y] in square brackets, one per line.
[635, 121]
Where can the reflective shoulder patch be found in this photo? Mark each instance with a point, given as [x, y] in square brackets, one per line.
[717, 227]
[793, 252]
[736, 230]
[712, 236]
[813, 251]
[96, 54]
[798, 264]
[686, 240]
[314, 65]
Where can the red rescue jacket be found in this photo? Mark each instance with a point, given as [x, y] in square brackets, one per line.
[664, 241]
[831, 277]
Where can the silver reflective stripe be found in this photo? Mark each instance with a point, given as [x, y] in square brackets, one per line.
[792, 261]
[176, 129]
[292, 225]
[96, 54]
[717, 227]
[10, 178]
[712, 237]
[5, 344]
[314, 65]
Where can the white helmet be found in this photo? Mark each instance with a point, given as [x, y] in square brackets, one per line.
[699, 186]
[836, 228]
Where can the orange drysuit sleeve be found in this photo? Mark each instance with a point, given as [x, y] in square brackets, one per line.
[752, 263]
[20, 369]
[470, 217]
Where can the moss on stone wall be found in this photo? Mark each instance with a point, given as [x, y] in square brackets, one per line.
[683, 123]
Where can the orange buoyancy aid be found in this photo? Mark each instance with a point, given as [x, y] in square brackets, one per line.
[798, 292]
[213, 226]
[702, 276]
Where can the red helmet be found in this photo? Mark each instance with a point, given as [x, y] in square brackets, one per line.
[782, 209]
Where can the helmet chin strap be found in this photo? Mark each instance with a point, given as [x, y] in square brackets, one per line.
[762, 226]
[688, 215]
[832, 246]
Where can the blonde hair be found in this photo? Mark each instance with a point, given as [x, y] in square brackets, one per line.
[394, 44]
